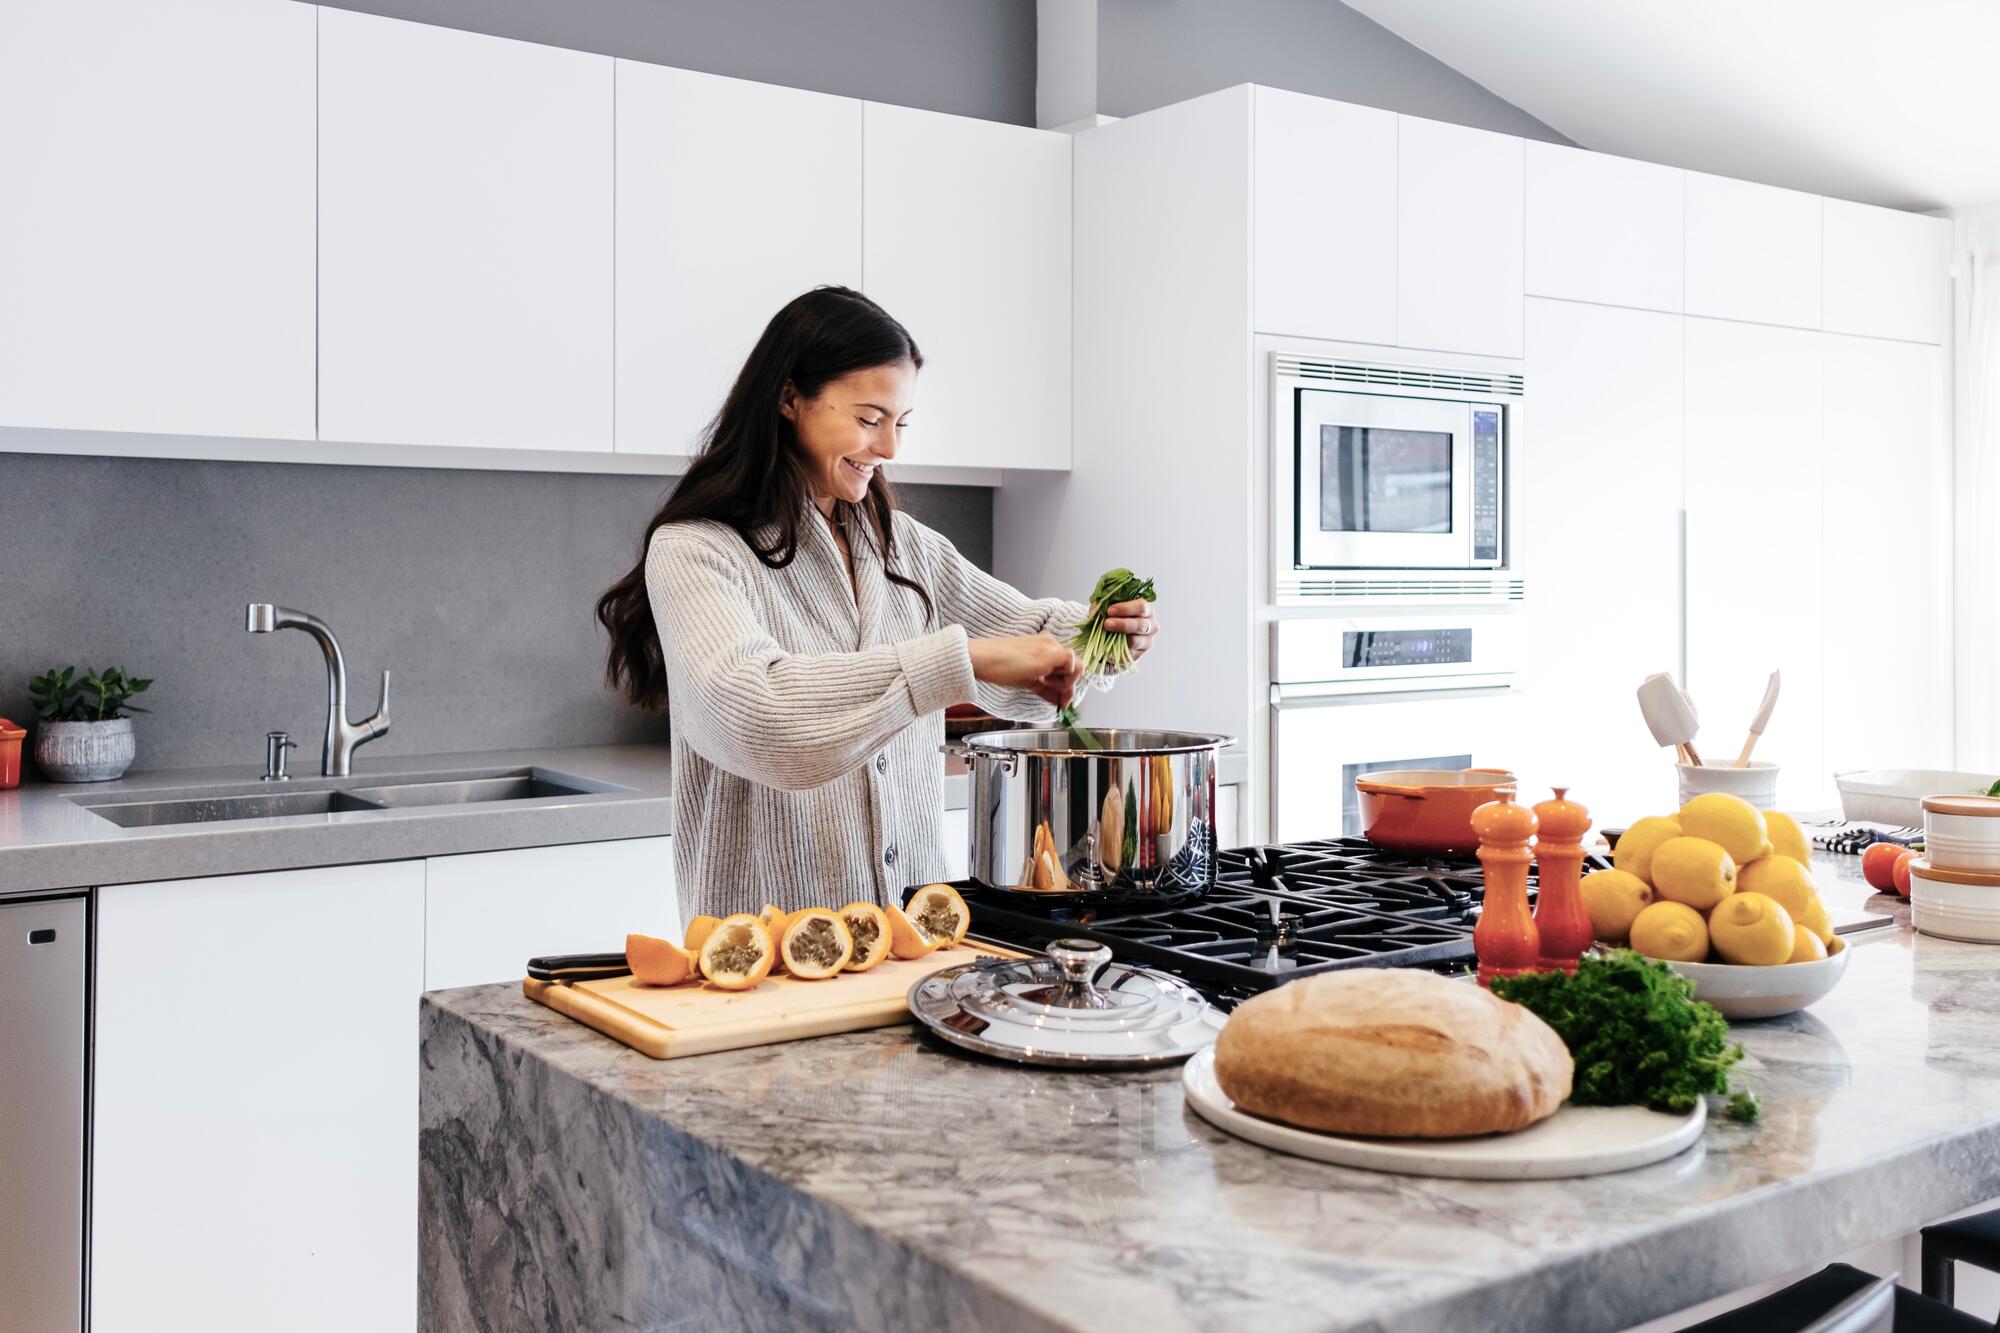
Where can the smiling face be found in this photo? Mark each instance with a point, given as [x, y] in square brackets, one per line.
[851, 427]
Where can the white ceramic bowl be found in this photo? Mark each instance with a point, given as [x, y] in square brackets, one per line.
[1765, 992]
[1895, 796]
[1962, 832]
[1756, 783]
[1952, 910]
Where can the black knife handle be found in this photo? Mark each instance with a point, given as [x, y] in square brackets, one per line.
[577, 966]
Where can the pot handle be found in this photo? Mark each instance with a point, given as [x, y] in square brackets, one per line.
[1387, 789]
[960, 750]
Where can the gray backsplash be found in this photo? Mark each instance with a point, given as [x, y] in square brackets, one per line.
[474, 587]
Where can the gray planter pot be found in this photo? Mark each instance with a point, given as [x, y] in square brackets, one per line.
[84, 751]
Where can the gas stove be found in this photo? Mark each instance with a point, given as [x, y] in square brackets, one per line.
[1275, 913]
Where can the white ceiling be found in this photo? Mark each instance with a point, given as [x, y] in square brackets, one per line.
[1887, 101]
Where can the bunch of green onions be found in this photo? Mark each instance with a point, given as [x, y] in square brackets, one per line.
[1099, 651]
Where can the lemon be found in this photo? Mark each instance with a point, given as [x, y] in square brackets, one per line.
[1693, 871]
[1730, 822]
[1806, 946]
[1787, 838]
[1780, 877]
[1613, 898]
[1752, 930]
[1634, 852]
[1671, 930]
[1815, 920]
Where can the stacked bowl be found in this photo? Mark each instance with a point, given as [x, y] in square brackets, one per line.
[1955, 884]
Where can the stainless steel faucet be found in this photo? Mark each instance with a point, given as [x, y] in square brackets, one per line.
[342, 736]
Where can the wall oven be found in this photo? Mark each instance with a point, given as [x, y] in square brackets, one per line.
[1390, 468]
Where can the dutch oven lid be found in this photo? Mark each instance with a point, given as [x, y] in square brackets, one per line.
[1071, 1007]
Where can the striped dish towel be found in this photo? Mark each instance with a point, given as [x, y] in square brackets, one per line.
[1852, 837]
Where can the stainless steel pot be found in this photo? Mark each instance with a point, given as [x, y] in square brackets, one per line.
[1043, 809]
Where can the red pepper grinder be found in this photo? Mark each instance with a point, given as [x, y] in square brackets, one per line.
[1559, 915]
[1505, 939]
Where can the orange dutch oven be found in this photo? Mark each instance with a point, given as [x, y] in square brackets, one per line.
[1428, 810]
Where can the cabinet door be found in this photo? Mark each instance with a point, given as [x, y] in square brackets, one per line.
[1888, 557]
[1458, 238]
[1597, 508]
[487, 913]
[956, 831]
[1603, 228]
[712, 175]
[156, 243]
[1324, 242]
[965, 238]
[464, 238]
[255, 1106]
[1755, 534]
[1887, 274]
[1753, 252]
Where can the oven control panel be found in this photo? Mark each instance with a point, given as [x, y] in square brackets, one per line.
[1405, 647]
[1469, 648]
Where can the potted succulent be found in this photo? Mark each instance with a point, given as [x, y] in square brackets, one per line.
[86, 733]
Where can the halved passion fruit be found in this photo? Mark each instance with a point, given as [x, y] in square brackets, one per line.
[940, 913]
[658, 962]
[697, 932]
[775, 921]
[906, 938]
[817, 944]
[738, 953]
[870, 929]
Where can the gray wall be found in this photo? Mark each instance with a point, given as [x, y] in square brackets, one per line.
[1153, 52]
[475, 588]
[968, 57]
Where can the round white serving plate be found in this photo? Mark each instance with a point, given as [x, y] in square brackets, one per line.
[1575, 1141]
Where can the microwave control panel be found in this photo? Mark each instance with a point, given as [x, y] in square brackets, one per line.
[1486, 499]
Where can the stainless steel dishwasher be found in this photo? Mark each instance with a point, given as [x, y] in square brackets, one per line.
[44, 952]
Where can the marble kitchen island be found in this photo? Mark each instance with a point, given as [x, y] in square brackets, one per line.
[879, 1181]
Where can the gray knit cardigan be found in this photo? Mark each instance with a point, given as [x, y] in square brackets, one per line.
[807, 711]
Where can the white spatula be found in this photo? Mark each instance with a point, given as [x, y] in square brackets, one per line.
[1758, 723]
[1670, 714]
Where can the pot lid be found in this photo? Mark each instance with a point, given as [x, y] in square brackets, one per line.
[1952, 875]
[1977, 806]
[1072, 1007]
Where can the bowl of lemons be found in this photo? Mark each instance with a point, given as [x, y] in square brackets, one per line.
[1723, 893]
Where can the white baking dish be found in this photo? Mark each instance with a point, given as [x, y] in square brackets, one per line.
[1896, 795]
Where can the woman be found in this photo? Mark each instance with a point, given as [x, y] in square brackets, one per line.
[806, 636]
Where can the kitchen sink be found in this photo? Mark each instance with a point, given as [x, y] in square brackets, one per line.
[262, 802]
[466, 791]
[214, 809]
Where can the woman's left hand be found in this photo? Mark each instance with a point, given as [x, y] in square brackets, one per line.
[1136, 621]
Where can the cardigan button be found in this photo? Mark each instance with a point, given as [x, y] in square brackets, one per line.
[889, 855]
[882, 762]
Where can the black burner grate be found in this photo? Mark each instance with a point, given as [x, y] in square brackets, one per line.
[1274, 914]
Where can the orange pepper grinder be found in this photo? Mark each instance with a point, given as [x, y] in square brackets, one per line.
[1559, 915]
[1505, 939]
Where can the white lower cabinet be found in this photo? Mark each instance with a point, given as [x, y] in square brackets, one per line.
[255, 1105]
[487, 913]
[956, 832]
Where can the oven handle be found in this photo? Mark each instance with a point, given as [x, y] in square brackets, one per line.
[1322, 696]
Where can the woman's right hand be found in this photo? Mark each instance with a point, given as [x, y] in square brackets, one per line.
[1038, 662]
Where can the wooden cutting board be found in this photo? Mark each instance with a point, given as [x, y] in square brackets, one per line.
[670, 1021]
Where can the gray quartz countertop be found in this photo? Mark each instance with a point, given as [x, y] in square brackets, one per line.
[48, 840]
[877, 1180]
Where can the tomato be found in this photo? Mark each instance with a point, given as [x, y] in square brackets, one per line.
[1878, 863]
[1901, 874]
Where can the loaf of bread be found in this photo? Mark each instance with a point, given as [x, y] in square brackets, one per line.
[1391, 1053]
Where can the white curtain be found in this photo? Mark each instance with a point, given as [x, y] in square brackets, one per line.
[1976, 477]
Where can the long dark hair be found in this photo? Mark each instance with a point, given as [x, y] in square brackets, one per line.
[751, 473]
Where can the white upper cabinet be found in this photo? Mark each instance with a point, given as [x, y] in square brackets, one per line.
[1603, 229]
[1756, 485]
[156, 239]
[733, 197]
[1597, 512]
[1887, 273]
[965, 238]
[1325, 233]
[1753, 252]
[465, 222]
[1458, 238]
[1887, 544]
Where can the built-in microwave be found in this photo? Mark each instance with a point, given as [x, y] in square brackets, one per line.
[1394, 467]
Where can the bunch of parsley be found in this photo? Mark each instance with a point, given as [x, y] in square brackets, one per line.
[1636, 1032]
